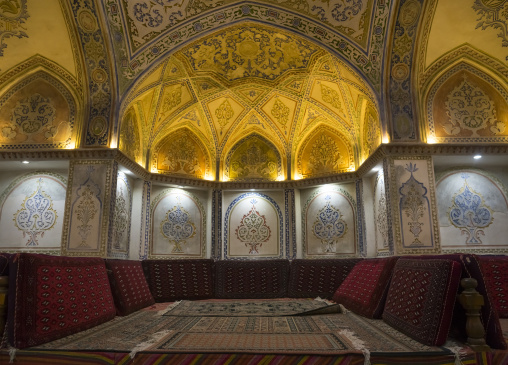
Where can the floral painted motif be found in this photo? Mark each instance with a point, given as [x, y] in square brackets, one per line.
[13, 14]
[493, 14]
[253, 230]
[36, 215]
[329, 226]
[120, 220]
[469, 213]
[178, 228]
[470, 108]
[88, 207]
[325, 155]
[280, 111]
[382, 219]
[414, 203]
[33, 113]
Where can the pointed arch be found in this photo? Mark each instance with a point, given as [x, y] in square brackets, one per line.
[182, 153]
[253, 158]
[324, 151]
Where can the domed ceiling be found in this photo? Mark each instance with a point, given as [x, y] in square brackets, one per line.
[250, 102]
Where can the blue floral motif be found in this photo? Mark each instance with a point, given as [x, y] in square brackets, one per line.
[470, 214]
[329, 227]
[253, 230]
[177, 228]
[36, 215]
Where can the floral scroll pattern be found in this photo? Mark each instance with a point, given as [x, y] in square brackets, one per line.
[329, 226]
[36, 215]
[177, 228]
[87, 207]
[470, 214]
[253, 230]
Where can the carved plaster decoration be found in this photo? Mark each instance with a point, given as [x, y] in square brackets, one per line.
[13, 16]
[469, 107]
[329, 226]
[469, 213]
[253, 230]
[36, 215]
[492, 14]
[177, 227]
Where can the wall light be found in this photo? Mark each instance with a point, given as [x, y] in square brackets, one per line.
[25, 162]
[431, 140]
[477, 157]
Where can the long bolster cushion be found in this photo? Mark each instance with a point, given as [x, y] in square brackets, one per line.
[421, 298]
[51, 297]
[318, 278]
[129, 286]
[253, 279]
[187, 279]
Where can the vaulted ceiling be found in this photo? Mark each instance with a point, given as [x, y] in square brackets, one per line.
[248, 90]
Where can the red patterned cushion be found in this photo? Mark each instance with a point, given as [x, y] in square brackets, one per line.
[364, 290]
[495, 274]
[171, 280]
[253, 279]
[318, 278]
[421, 298]
[54, 297]
[129, 286]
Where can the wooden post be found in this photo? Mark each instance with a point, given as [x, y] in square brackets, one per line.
[472, 302]
[4, 284]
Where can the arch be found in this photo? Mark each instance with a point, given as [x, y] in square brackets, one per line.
[465, 104]
[38, 111]
[253, 158]
[324, 151]
[182, 153]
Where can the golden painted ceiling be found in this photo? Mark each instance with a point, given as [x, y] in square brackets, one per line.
[251, 90]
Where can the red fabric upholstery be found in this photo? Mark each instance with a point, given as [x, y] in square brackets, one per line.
[171, 280]
[54, 297]
[318, 278]
[129, 286]
[364, 289]
[495, 274]
[421, 298]
[254, 279]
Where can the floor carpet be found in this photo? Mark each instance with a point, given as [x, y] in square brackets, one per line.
[252, 308]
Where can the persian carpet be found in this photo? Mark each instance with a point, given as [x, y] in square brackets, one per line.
[253, 308]
[333, 334]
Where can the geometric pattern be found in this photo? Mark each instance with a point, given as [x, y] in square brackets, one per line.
[318, 278]
[53, 297]
[421, 298]
[495, 274]
[171, 280]
[364, 289]
[129, 286]
[253, 279]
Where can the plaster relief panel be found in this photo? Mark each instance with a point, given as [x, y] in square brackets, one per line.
[473, 211]
[121, 224]
[329, 221]
[130, 140]
[37, 112]
[466, 105]
[87, 208]
[380, 214]
[178, 226]
[253, 228]
[414, 202]
[31, 213]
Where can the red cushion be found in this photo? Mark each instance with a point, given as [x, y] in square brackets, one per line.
[129, 286]
[421, 298]
[318, 278]
[171, 280]
[54, 297]
[495, 274]
[364, 290]
[253, 279]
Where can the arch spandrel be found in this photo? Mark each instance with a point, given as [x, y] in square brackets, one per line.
[130, 141]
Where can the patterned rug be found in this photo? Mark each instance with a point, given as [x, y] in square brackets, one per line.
[254, 308]
[331, 334]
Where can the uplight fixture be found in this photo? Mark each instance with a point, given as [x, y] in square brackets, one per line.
[477, 157]
[25, 162]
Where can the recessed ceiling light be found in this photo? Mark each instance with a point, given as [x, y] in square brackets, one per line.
[477, 157]
[25, 161]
